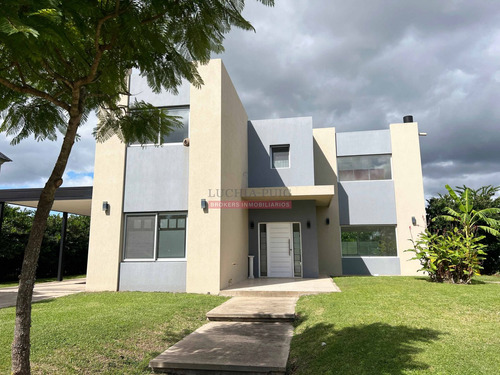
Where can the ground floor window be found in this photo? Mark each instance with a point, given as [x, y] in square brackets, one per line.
[369, 241]
[155, 236]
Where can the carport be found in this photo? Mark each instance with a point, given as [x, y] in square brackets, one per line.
[73, 200]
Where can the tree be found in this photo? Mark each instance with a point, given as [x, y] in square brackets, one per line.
[15, 233]
[60, 60]
[480, 199]
[469, 219]
[454, 253]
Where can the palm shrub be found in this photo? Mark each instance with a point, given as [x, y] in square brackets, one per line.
[455, 255]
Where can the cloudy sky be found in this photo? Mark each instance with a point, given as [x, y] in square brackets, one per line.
[355, 65]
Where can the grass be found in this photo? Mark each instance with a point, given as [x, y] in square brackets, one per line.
[377, 325]
[398, 325]
[8, 284]
[488, 278]
[105, 333]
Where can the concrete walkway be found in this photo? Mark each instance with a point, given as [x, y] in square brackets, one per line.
[43, 291]
[249, 334]
[281, 287]
[229, 348]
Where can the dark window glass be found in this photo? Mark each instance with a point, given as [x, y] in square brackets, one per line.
[280, 156]
[369, 241]
[139, 237]
[297, 251]
[172, 236]
[366, 167]
[263, 249]
[178, 134]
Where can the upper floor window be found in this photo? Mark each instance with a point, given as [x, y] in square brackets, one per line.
[365, 167]
[280, 156]
[177, 134]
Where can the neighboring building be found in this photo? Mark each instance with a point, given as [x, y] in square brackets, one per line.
[3, 159]
[356, 198]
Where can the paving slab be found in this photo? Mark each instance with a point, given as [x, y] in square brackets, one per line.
[257, 309]
[43, 291]
[229, 348]
[281, 287]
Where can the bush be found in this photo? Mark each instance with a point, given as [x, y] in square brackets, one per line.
[449, 257]
[456, 254]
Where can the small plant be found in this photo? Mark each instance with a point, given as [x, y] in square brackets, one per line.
[455, 255]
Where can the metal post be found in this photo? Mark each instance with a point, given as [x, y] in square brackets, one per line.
[2, 207]
[61, 247]
[250, 266]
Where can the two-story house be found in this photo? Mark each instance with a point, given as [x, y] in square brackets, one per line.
[303, 201]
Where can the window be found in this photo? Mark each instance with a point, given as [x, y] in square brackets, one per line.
[177, 134]
[172, 236]
[297, 251]
[369, 241]
[366, 167]
[263, 249]
[140, 237]
[280, 156]
[155, 236]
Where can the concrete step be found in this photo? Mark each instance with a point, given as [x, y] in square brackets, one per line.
[253, 309]
[263, 293]
[229, 348]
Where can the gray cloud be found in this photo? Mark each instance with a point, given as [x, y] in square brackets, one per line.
[361, 65]
[356, 65]
[32, 162]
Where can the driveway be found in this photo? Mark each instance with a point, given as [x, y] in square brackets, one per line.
[43, 291]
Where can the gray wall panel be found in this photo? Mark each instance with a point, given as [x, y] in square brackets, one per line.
[371, 266]
[301, 211]
[141, 91]
[153, 276]
[367, 202]
[156, 178]
[297, 132]
[364, 143]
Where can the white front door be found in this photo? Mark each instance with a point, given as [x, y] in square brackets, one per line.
[280, 251]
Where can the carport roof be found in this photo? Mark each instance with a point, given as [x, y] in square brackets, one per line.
[4, 158]
[74, 200]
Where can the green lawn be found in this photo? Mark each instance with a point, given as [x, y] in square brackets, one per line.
[105, 333]
[488, 278]
[42, 280]
[398, 325]
[377, 325]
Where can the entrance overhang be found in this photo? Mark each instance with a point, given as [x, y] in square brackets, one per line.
[321, 194]
[74, 200]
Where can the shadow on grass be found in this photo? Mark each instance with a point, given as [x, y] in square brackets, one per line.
[171, 336]
[377, 348]
[428, 279]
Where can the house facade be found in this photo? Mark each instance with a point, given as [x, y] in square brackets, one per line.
[223, 191]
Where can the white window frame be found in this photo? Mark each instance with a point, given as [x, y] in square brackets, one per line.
[155, 251]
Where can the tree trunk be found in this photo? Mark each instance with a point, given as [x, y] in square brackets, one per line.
[21, 344]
